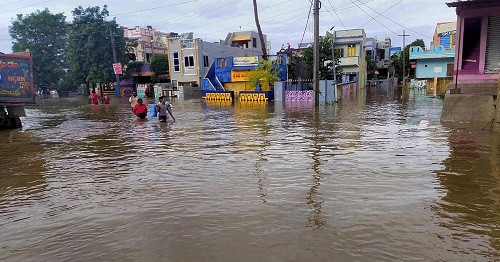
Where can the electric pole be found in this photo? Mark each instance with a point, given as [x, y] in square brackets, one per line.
[404, 35]
[114, 57]
[316, 52]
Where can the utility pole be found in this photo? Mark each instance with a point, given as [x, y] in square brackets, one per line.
[316, 52]
[114, 57]
[404, 35]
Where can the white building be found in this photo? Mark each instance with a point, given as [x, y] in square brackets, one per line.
[190, 58]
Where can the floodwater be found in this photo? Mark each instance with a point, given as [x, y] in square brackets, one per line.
[373, 178]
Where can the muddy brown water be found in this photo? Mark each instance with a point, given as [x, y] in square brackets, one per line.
[374, 178]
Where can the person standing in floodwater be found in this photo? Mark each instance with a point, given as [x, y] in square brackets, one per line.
[162, 108]
[133, 99]
[140, 109]
[94, 98]
[105, 99]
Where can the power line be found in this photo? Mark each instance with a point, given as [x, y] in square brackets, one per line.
[341, 23]
[394, 21]
[154, 8]
[382, 12]
[266, 20]
[13, 2]
[307, 22]
[203, 10]
[352, 1]
[16, 9]
[239, 15]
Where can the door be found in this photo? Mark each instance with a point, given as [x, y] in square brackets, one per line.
[492, 45]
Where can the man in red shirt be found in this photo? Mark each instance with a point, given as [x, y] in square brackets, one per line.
[94, 98]
[140, 109]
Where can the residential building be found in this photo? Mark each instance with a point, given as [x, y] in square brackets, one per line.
[474, 90]
[350, 48]
[379, 49]
[437, 62]
[246, 40]
[444, 35]
[190, 58]
[231, 74]
[149, 42]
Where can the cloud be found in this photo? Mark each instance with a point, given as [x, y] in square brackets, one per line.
[283, 21]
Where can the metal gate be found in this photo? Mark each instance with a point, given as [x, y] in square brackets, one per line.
[493, 45]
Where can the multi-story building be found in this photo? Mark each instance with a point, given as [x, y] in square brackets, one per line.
[379, 49]
[437, 62]
[190, 58]
[475, 87]
[350, 48]
[444, 35]
[149, 42]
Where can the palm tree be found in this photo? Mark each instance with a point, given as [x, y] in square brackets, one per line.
[263, 43]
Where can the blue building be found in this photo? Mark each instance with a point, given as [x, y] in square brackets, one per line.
[436, 62]
[228, 77]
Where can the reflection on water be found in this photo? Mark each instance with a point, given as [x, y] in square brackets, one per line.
[375, 177]
[471, 182]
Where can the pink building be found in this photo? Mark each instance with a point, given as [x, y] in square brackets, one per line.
[477, 54]
[473, 100]
[149, 42]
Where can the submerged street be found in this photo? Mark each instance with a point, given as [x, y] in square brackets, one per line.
[375, 177]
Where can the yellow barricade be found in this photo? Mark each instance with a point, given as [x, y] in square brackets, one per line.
[252, 97]
[218, 96]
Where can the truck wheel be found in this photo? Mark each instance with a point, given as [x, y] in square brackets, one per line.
[15, 122]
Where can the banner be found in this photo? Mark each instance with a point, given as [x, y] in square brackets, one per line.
[245, 60]
[117, 67]
[240, 76]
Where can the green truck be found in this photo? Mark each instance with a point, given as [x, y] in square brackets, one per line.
[16, 88]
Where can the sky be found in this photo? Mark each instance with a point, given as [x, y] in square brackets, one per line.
[283, 21]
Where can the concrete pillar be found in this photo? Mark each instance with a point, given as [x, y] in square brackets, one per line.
[496, 122]
[279, 91]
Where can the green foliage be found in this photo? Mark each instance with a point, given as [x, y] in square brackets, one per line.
[397, 59]
[159, 65]
[370, 63]
[264, 74]
[44, 34]
[325, 54]
[133, 67]
[89, 52]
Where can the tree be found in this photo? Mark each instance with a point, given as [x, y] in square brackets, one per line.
[133, 67]
[159, 65]
[259, 30]
[265, 74]
[397, 59]
[371, 65]
[89, 52]
[44, 34]
[325, 54]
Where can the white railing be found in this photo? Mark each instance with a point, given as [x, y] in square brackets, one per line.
[218, 81]
[213, 87]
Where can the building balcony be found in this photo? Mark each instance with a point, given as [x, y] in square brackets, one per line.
[349, 61]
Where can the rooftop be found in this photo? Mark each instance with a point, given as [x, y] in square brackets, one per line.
[460, 3]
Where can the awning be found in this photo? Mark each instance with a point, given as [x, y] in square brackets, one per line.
[241, 38]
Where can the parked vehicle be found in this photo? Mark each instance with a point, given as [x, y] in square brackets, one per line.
[16, 88]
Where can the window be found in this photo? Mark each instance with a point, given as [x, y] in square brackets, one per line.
[351, 50]
[254, 42]
[205, 61]
[339, 52]
[189, 61]
[176, 62]
[222, 62]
